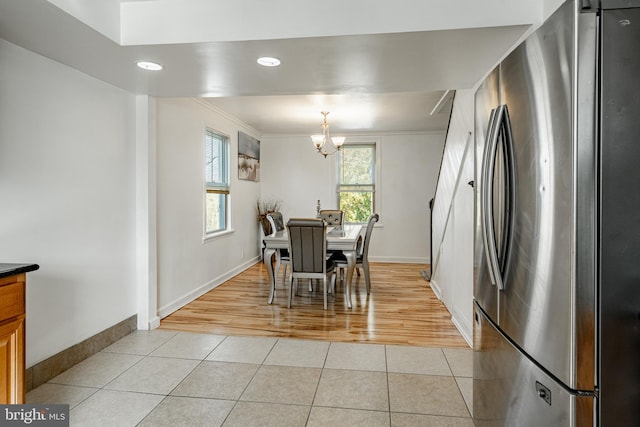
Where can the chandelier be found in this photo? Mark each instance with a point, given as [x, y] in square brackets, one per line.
[325, 143]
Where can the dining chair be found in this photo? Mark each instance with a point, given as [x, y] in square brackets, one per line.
[282, 255]
[308, 254]
[332, 216]
[362, 254]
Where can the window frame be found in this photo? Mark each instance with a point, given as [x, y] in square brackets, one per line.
[375, 192]
[214, 187]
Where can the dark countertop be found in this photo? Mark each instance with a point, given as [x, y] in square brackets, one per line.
[13, 269]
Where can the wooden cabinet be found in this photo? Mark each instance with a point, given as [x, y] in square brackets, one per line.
[12, 337]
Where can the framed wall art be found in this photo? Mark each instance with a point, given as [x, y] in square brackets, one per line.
[248, 157]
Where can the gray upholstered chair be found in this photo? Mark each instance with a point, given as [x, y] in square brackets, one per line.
[308, 253]
[276, 220]
[332, 216]
[282, 255]
[362, 257]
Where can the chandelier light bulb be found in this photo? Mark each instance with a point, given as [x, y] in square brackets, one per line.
[338, 140]
[319, 141]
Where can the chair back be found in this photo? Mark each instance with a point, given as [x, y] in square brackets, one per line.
[332, 216]
[276, 220]
[367, 235]
[307, 245]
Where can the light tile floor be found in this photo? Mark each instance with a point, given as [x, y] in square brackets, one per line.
[165, 378]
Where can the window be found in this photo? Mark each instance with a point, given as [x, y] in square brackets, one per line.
[216, 171]
[356, 181]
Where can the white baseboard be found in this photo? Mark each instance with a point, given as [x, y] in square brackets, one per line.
[401, 260]
[436, 289]
[153, 324]
[464, 331]
[166, 310]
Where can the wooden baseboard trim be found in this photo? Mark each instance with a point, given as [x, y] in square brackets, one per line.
[42, 372]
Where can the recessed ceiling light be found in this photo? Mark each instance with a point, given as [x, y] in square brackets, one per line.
[268, 61]
[147, 65]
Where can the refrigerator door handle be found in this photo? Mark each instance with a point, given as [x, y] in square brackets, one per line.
[499, 125]
[486, 194]
[505, 250]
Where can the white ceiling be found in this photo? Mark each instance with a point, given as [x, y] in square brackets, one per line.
[370, 82]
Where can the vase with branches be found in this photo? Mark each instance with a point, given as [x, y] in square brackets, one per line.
[264, 207]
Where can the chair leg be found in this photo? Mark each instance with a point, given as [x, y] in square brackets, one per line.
[290, 291]
[278, 262]
[333, 283]
[339, 275]
[367, 276]
[284, 272]
[324, 290]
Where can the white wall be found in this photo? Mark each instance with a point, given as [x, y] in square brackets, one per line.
[187, 265]
[452, 276]
[67, 183]
[460, 134]
[296, 175]
[549, 7]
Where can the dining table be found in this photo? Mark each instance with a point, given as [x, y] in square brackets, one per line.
[339, 238]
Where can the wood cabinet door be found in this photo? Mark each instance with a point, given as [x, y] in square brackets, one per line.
[12, 360]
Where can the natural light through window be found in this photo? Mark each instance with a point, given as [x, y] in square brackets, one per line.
[216, 182]
[356, 181]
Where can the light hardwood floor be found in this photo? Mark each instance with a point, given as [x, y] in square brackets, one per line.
[401, 309]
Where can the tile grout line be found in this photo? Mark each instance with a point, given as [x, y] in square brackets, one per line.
[260, 365]
[166, 396]
[386, 368]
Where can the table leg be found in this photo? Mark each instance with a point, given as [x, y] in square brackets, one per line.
[351, 263]
[267, 258]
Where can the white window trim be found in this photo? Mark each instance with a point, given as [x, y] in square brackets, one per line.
[228, 229]
[377, 197]
[217, 234]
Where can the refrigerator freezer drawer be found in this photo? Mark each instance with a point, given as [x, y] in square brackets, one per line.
[511, 390]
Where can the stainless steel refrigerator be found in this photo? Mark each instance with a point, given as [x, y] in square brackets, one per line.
[557, 242]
